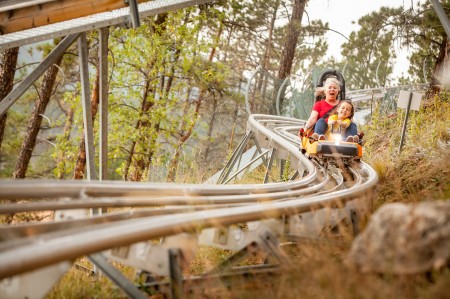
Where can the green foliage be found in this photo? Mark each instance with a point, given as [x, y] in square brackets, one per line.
[145, 115]
[417, 29]
[370, 51]
[425, 34]
[286, 170]
[13, 141]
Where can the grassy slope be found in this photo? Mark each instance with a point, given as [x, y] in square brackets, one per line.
[420, 172]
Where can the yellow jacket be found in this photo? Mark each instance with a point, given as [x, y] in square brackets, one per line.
[333, 125]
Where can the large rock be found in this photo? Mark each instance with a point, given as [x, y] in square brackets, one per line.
[404, 239]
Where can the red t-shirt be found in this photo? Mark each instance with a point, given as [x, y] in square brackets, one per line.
[322, 107]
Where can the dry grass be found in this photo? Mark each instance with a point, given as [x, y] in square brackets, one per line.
[79, 282]
[321, 272]
[421, 171]
[315, 271]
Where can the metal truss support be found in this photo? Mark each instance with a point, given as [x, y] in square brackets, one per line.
[269, 165]
[267, 245]
[234, 157]
[258, 147]
[14, 95]
[294, 176]
[247, 165]
[176, 275]
[234, 259]
[87, 113]
[112, 273]
[272, 246]
[134, 12]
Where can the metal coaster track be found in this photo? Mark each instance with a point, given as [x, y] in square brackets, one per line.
[316, 198]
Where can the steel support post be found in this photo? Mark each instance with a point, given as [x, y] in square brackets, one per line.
[232, 161]
[176, 275]
[405, 123]
[269, 166]
[134, 12]
[87, 112]
[294, 176]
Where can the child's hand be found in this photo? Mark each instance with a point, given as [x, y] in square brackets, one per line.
[344, 125]
[332, 122]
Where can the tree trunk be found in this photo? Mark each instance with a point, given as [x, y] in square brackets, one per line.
[7, 81]
[185, 133]
[216, 41]
[169, 83]
[174, 163]
[136, 175]
[137, 164]
[34, 124]
[211, 123]
[80, 165]
[268, 50]
[287, 56]
[439, 76]
[126, 169]
[66, 135]
[290, 44]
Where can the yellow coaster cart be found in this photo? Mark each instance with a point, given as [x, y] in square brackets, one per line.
[333, 148]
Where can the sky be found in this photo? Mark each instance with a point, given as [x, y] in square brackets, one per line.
[340, 14]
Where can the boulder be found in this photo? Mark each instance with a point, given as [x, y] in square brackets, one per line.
[404, 239]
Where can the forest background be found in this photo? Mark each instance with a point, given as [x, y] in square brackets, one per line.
[177, 85]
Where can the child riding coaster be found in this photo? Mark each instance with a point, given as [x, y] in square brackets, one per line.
[338, 123]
